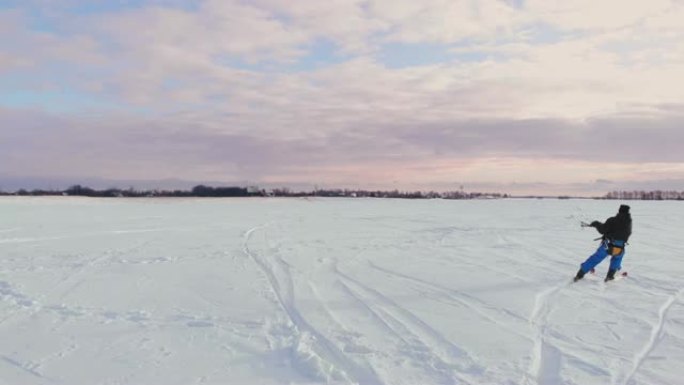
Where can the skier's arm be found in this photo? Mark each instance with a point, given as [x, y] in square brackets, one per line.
[600, 227]
[604, 228]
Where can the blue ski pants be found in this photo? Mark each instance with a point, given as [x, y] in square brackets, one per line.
[601, 253]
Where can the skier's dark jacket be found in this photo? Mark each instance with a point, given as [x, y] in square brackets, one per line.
[617, 228]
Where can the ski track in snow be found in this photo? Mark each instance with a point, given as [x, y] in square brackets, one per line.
[497, 316]
[545, 363]
[322, 349]
[444, 360]
[654, 338]
[25, 368]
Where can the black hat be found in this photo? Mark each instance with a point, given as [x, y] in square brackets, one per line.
[624, 209]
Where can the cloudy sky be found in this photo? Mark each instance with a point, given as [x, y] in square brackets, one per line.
[517, 96]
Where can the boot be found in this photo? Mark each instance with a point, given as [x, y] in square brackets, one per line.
[580, 275]
[611, 275]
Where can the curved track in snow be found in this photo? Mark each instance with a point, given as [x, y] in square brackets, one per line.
[310, 344]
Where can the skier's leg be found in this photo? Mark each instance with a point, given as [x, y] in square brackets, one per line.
[596, 258]
[616, 261]
[592, 261]
[615, 265]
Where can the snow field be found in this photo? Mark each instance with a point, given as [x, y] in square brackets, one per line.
[303, 291]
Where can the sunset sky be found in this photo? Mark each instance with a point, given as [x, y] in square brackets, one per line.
[518, 96]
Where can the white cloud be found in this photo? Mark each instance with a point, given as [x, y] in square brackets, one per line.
[594, 15]
[217, 28]
[445, 21]
[172, 59]
[37, 51]
[574, 79]
[348, 23]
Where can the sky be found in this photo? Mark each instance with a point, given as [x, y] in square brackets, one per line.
[518, 96]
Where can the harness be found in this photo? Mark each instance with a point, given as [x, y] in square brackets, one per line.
[614, 247]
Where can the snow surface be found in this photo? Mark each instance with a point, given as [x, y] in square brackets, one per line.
[304, 291]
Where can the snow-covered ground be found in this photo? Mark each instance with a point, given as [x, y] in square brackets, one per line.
[303, 291]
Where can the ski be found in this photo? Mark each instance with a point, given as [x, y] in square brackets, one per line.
[619, 276]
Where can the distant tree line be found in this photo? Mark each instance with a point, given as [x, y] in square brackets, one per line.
[405, 194]
[197, 191]
[657, 195]
[208, 191]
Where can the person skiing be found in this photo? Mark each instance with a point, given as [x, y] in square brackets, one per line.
[616, 231]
